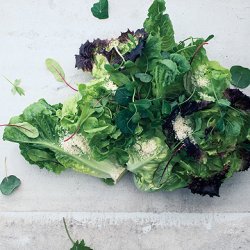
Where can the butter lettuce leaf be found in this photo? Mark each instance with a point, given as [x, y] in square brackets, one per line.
[145, 157]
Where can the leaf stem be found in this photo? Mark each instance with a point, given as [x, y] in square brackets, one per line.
[70, 137]
[67, 231]
[14, 125]
[8, 80]
[64, 79]
[189, 97]
[119, 53]
[197, 51]
[170, 159]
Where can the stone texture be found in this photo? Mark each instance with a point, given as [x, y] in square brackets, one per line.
[112, 231]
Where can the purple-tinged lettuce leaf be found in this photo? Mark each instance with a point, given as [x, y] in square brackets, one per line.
[192, 149]
[190, 107]
[238, 99]
[245, 155]
[85, 59]
[209, 186]
[137, 51]
[124, 37]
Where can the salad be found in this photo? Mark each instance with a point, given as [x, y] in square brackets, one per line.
[157, 108]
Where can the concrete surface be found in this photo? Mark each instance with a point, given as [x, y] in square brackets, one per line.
[120, 217]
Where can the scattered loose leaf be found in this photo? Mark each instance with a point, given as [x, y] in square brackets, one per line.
[9, 184]
[76, 244]
[55, 68]
[80, 246]
[16, 87]
[101, 9]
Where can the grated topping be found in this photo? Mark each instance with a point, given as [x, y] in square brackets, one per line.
[182, 128]
[76, 145]
[110, 86]
[146, 148]
[200, 79]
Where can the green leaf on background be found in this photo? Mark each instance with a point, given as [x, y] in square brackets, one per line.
[101, 9]
[16, 86]
[9, 184]
[144, 77]
[240, 76]
[77, 245]
[55, 68]
[210, 37]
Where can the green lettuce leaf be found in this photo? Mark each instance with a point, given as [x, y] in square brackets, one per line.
[160, 23]
[144, 158]
[46, 150]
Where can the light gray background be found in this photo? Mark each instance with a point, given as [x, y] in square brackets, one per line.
[120, 217]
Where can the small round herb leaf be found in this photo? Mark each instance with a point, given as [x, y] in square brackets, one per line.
[9, 184]
[144, 77]
[240, 76]
[143, 104]
[124, 122]
[101, 9]
[123, 96]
